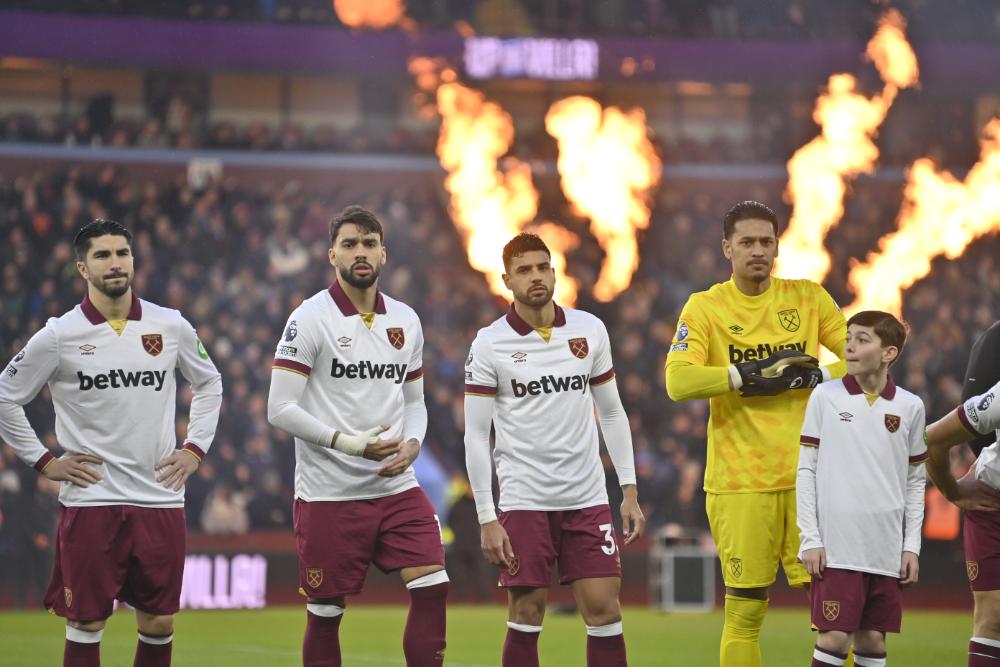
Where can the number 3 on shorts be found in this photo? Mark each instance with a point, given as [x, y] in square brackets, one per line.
[609, 535]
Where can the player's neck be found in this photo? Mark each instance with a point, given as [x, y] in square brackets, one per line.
[111, 307]
[751, 287]
[873, 382]
[542, 316]
[363, 298]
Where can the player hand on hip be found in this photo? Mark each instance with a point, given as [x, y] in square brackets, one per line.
[176, 468]
[814, 561]
[633, 521]
[71, 468]
[908, 569]
[407, 453]
[975, 495]
[496, 544]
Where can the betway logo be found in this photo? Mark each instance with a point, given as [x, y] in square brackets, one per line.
[367, 370]
[119, 379]
[762, 351]
[550, 384]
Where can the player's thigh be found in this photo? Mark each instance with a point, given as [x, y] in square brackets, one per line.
[335, 541]
[838, 600]
[597, 599]
[795, 572]
[588, 546]
[981, 541]
[746, 528]
[90, 562]
[156, 562]
[533, 538]
[409, 534]
[986, 616]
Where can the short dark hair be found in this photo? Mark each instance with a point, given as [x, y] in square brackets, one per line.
[91, 230]
[891, 332]
[748, 210]
[356, 215]
[522, 243]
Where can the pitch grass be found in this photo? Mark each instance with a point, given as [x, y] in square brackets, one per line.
[371, 637]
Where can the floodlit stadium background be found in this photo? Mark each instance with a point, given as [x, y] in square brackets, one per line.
[226, 133]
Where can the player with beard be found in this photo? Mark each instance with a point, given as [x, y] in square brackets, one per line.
[536, 374]
[109, 364]
[749, 345]
[347, 383]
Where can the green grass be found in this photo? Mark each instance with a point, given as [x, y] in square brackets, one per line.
[371, 637]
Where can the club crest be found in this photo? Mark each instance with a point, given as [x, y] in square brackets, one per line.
[736, 567]
[314, 576]
[789, 319]
[514, 565]
[396, 338]
[579, 347]
[972, 568]
[152, 343]
[68, 594]
[831, 610]
[892, 423]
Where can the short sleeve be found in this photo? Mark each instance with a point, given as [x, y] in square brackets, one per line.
[480, 373]
[981, 414]
[603, 369]
[415, 370]
[298, 347]
[692, 338]
[918, 446]
[812, 425]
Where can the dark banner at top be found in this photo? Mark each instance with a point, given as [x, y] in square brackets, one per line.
[319, 49]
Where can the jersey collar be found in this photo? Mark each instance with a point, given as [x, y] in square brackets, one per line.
[91, 313]
[343, 301]
[854, 388]
[523, 328]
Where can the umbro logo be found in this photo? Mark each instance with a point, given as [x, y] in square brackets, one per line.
[87, 349]
[518, 357]
[846, 416]
[344, 341]
[736, 329]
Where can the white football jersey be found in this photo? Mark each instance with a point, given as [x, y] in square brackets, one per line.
[356, 377]
[114, 397]
[865, 454]
[981, 414]
[547, 453]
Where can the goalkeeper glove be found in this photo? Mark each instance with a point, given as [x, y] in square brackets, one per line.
[783, 370]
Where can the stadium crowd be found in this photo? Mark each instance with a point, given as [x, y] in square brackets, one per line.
[745, 19]
[237, 259]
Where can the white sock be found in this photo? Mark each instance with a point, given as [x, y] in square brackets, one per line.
[83, 636]
[609, 630]
[827, 658]
[156, 641]
[324, 610]
[521, 627]
[986, 642]
[866, 661]
[432, 579]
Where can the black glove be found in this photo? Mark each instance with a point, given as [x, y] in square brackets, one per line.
[783, 370]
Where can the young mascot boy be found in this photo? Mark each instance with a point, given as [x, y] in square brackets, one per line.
[860, 496]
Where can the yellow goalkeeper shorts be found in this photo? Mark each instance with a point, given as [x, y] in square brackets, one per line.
[753, 533]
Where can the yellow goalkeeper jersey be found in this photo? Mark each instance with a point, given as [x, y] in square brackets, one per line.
[753, 443]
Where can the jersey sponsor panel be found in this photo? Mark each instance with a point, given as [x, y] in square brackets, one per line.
[546, 452]
[355, 382]
[753, 442]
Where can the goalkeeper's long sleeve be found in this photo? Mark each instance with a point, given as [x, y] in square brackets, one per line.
[686, 381]
[614, 426]
[805, 496]
[478, 418]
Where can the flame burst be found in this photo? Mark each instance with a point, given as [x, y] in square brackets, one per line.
[608, 166]
[489, 205]
[818, 171]
[940, 216]
[377, 14]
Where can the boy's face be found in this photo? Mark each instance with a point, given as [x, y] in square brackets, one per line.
[864, 352]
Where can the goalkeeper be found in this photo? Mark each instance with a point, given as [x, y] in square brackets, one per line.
[750, 346]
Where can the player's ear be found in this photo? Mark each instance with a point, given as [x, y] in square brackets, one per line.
[82, 268]
[889, 354]
[506, 281]
[776, 247]
[331, 254]
[727, 248]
